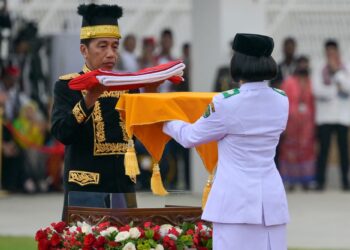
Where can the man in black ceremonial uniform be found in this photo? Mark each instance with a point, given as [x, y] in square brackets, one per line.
[88, 124]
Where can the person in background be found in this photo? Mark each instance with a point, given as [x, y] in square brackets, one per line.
[9, 86]
[128, 59]
[30, 134]
[5, 34]
[148, 58]
[297, 147]
[223, 79]
[165, 55]
[287, 66]
[186, 58]
[331, 86]
[13, 170]
[247, 203]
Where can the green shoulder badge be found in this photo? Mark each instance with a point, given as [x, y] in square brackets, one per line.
[230, 93]
[69, 76]
[210, 109]
[279, 91]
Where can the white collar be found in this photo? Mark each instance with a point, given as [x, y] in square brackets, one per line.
[254, 85]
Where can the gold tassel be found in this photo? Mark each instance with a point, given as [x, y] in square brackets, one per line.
[206, 190]
[130, 162]
[156, 181]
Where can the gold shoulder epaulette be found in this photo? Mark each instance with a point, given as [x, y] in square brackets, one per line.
[69, 76]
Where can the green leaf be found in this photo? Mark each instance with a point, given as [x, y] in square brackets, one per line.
[149, 234]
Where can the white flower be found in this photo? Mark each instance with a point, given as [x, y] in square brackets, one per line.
[164, 229]
[134, 233]
[122, 236]
[159, 247]
[72, 229]
[172, 236]
[104, 233]
[129, 246]
[205, 228]
[108, 231]
[85, 228]
[179, 230]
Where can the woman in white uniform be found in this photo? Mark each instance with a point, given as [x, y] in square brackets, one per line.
[247, 203]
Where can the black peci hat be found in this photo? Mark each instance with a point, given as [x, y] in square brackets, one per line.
[253, 45]
[99, 21]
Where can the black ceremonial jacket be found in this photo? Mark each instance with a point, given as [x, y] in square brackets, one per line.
[95, 140]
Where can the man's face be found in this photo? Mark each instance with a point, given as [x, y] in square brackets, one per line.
[130, 44]
[332, 54]
[101, 53]
[167, 42]
[289, 49]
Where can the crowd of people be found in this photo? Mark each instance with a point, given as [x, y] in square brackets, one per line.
[32, 159]
[319, 107]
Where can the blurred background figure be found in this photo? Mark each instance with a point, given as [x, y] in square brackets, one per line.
[147, 58]
[297, 147]
[332, 89]
[128, 59]
[223, 80]
[9, 86]
[288, 64]
[30, 131]
[11, 100]
[186, 58]
[5, 32]
[285, 68]
[165, 55]
[27, 56]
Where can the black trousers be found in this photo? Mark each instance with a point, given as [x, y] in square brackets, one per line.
[325, 133]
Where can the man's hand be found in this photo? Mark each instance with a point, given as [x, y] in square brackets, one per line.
[93, 94]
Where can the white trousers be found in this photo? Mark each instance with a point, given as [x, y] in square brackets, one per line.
[249, 237]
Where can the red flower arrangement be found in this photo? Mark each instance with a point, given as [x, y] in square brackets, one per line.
[105, 236]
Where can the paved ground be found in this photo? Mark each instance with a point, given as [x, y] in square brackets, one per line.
[319, 220]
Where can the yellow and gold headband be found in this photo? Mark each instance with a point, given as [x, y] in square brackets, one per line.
[99, 31]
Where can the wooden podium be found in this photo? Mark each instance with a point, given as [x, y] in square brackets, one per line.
[173, 215]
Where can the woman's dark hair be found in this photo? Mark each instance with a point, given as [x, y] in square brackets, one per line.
[251, 68]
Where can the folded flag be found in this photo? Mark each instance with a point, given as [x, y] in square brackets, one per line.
[171, 71]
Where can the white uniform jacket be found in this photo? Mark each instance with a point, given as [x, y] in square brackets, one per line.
[247, 123]
[332, 105]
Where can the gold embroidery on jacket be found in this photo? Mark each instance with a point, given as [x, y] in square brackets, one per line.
[125, 135]
[84, 178]
[78, 113]
[115, 94]
[110, 148]
[98, 122]
[101, 147]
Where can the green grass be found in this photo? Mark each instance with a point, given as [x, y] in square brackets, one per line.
[28, 243]
[17, 243]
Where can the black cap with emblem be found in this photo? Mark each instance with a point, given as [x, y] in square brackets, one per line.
[99, 21]
[252, 60]
[253, 44]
